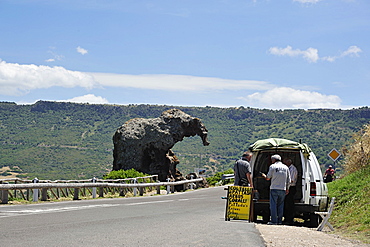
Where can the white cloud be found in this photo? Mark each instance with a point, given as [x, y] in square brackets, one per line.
[88, 98]
[81, 50]
[285, 98]
[311, 54]
[351, 51]
[330, 58]
[55, 56]
[177, 82]
[268, 96]
[16, 79]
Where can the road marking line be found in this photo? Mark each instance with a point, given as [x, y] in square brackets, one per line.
[50, 210]
[142, 203]
[12, 213]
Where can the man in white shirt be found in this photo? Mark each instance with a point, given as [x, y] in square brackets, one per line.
[280, 182]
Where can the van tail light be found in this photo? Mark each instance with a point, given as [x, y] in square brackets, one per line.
[313, 189]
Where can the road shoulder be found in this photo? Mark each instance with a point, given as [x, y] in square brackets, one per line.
[281, 236]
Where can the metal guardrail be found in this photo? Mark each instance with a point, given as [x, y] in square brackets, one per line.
[16, 180]
[77, 185]
[227, 176]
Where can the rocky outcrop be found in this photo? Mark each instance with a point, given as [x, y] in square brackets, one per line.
[145, 144]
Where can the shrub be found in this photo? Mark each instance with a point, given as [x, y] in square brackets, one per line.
[358, 156]
[6, 173]
[122, 174]
[217, 178]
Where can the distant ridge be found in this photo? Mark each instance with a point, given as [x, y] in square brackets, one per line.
[61, 140]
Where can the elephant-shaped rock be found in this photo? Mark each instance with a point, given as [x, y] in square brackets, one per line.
[145, 144]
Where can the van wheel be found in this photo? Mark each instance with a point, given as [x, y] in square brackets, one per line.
[314, 220]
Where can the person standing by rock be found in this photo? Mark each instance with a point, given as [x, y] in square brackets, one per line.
[242, 171]
[280, 181]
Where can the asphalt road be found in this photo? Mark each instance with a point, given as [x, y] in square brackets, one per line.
[194, 218]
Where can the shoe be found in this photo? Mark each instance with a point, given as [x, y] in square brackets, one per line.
[271, 223]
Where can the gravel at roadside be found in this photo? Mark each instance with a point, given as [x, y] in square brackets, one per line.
[282, 236]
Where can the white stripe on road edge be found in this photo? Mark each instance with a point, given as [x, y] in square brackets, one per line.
[143, 203]
[12, 213]
[50, 210]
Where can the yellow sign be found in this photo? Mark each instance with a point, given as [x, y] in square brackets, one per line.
[334, 154]
[239, 201]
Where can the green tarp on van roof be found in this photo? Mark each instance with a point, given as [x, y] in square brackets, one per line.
[279, 143]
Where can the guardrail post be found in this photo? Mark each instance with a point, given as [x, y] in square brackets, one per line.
[158, 189]
[172, 188]
[1, 191]
[35, 191]
[94, 188]
[135, 189]
[168, 186]
[191, 183]
[15, 190]
[141, 191]
[101, 192]
[122, 190]
[44, 194]
[75, 195]
[4, 196]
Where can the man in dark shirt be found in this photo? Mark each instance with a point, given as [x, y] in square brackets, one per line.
[242, 169]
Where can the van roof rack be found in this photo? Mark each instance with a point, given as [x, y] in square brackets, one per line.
[271, 143]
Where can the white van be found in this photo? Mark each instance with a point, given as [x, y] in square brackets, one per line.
[312, 192]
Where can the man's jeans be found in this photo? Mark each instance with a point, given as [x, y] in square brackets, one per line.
[277, 206]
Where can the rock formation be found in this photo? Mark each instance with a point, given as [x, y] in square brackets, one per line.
[145, 144]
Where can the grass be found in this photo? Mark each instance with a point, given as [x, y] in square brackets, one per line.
[351, 217]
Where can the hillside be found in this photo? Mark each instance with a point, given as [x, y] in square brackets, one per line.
[351, 215]
[352, 192]
[53, 140]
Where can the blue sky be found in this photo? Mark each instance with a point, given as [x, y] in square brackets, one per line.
[271, 54]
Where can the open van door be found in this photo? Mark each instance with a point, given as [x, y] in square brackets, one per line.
[312, 192]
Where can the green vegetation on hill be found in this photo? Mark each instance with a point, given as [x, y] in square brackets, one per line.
[51, 140]
[351, 213]
[54, 140]
[122, 174]
[352, 192]
[216, 179]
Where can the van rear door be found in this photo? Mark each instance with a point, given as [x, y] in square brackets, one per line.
[318, 189]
